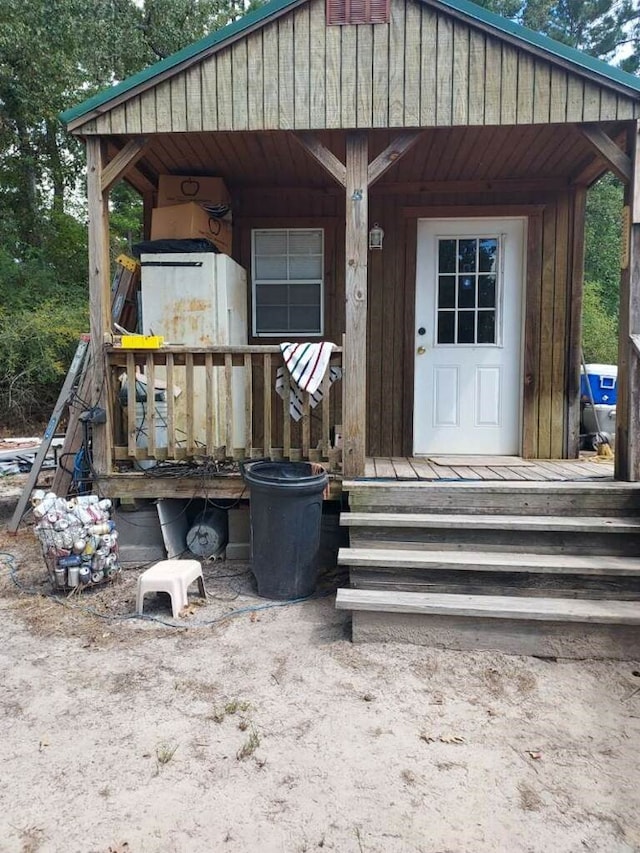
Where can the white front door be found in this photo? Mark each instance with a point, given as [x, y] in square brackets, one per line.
[468, 336]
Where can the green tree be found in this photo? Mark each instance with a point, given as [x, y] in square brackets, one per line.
[599, 328]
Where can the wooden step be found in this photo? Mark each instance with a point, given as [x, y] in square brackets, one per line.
[471, 561]
[504, 498]
[492, 606]
[541, 523]
[545, 627]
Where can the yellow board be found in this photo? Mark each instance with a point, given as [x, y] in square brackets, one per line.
[141, 341]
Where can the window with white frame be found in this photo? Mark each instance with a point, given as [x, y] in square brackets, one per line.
[288, 281]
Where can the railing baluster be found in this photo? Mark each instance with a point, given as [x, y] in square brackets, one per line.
[150, 371]
[131, 404]
[171, 411]
[266, 427]
[306, 424]
[326, 415]
[248, 404]
[286, 415]
[208, 366]
[228, 402]
[188, 366]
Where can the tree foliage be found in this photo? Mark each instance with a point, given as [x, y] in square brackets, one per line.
[608, 29]
[54, 53]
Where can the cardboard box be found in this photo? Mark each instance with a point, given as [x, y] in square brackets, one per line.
[188, 221]
[179, 189]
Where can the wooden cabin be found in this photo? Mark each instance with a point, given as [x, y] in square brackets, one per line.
[470, 142]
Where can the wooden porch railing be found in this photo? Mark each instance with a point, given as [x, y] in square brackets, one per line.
[218, 402]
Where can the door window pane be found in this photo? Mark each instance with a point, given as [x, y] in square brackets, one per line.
[467, 291]
[487, 291]
[447, 291]
[446, 327]
[486, 327]
[447, 256]
[488, 255]
[466, 327]
[467, 300]
[467, 255]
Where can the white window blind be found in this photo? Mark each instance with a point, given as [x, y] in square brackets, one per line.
[288, 281]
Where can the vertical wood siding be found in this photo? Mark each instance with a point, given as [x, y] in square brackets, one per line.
[424, 68]
[552, 304]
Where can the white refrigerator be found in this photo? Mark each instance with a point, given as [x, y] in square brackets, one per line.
[199, 300]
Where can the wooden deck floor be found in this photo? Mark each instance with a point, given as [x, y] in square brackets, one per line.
[555, 470]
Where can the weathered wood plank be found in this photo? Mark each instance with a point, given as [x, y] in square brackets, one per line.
[356, 253]
[190, 404]
[132, 430]
[348, 77]
[542, 93]
[193, 98]
[396, 65]
[317, 28]
[208, 76]
[224, 89]
[267, 392]
[532, 339]
[559, 352]
[270, 77]
[151, 414]
[428, 71]
[332, 71]
[525, 85]
[575, 98]
[412, 49]
[444, 72]
[178, 103]
[558, 97]
[479, 72]
[99, 297]
[171, 408]
[364, 89]
[255, 79]
[496, 607]
[461, 82]
[493, 83]
[248, 404]
[509, 85]
[302, 70]
[148, 122]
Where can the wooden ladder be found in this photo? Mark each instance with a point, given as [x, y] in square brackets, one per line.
[69, 388]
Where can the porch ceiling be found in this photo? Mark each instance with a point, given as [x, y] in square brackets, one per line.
[274, 159]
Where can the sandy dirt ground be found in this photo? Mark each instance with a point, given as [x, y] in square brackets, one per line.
[269, 731]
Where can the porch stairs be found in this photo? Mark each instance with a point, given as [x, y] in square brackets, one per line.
[542, 568]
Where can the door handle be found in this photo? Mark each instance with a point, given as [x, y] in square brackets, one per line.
[421, 350]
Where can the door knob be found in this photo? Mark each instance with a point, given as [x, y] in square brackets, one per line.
[421, 350]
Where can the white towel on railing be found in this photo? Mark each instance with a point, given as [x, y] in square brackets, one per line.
[307, 363]
[296, 395]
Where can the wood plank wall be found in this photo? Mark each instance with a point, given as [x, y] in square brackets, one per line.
[422, 69]
[552, 324]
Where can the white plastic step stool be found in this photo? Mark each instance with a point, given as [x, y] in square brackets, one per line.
[174, 577]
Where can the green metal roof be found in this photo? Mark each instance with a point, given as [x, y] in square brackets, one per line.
[465, 8]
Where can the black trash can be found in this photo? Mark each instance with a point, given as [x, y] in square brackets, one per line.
[286, 516]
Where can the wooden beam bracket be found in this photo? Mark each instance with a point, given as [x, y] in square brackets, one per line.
[322, 155]
[391, 154]
[606, 148]
[124, 160]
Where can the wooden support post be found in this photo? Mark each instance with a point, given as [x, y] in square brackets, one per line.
[574, 322]
[627, 466]
[99, 298]
[355, 365]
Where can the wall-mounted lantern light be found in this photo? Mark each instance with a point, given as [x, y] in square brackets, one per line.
[376, 236]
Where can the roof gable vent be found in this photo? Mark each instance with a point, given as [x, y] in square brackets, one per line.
[357, 12]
